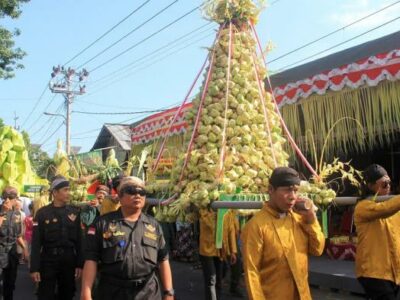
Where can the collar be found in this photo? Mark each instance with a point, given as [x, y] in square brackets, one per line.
[142, 217]
[274, 213]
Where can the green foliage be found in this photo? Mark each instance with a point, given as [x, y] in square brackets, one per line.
[9, 55]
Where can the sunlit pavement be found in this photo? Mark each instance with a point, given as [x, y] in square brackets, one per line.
[188, 285]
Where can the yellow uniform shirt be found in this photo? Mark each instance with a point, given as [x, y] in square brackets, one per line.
[230, 233]
[275, 255]
[208, 221]
[378, 248]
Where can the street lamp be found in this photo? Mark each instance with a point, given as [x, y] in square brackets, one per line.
[56, 115]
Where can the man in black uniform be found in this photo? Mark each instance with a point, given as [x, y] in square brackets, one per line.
[130, 247]
[56, 259]
[10, 235]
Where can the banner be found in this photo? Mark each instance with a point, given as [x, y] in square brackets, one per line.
[93, 158]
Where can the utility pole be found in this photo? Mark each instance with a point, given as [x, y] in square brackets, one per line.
[64, 87]
[15, 121]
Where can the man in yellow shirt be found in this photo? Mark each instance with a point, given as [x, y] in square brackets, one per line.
[277, 242]
[378, 248]
[209, 255]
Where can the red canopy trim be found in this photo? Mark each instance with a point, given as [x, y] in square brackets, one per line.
[369, 71]
[157, 125]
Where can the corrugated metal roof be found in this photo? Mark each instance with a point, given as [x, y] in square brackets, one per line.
[121, 133]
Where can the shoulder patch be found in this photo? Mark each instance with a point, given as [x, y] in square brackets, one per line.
[150, 227]
[72, 217]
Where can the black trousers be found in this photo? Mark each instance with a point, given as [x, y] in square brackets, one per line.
[212, 273]
[9, 276]
[57, 274]
[380, 289]
[107, 290]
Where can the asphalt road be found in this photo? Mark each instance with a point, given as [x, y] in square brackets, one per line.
[188, 286]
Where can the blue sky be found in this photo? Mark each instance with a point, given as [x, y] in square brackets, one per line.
[55, 31]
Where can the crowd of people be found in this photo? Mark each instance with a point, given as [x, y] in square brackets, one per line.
[120, 252]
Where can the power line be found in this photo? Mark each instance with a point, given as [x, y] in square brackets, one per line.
[137, 69]
[41, 115]
[58, 128]
[108, 31]
[333, 32]
[131, 119]
[117, 113]
[35, 105]
[145, 39]
[110, 106]
[128, 34]
[48, 124]
[155, 51]
[337, 45]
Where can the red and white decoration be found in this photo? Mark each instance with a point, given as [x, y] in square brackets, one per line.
[369, 71]
[155, 126]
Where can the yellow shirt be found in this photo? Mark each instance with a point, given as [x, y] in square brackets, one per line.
[230, 232]
[108, 206]
[208, 221]
[275, 255]
[378, 249]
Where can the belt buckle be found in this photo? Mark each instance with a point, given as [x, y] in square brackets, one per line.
[138, 283]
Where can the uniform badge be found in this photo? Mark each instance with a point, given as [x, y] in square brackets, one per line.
[107, 235]
[47, 221]
[55, 220]
[72, 217]
[119, 233]
[150, 227]
[112, 227]
[150, 235]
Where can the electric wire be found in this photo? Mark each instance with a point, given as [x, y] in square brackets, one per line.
[107, 32]
[145, 39]
[333, 32]
[155, 51]
[139, 68]
[337, 45]
[128, 34]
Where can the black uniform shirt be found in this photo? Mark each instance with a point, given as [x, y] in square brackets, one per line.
[126, 250]
[10, 229]
[56, 227]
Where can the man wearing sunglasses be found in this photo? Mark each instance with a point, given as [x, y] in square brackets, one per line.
[10, 236]
[378, 249]
[131, 249]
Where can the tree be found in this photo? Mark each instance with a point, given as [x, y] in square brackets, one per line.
[9, 55]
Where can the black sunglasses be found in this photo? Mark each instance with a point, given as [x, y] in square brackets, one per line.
[9, 196]
[132, 190]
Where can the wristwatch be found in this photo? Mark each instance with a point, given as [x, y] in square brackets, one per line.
[169, 292]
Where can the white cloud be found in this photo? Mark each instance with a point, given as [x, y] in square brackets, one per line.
[353, 10]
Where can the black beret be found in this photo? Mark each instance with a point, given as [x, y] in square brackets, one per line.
[284, 176]
[374, 172]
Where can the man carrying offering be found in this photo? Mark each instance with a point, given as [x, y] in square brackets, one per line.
[278, 240]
